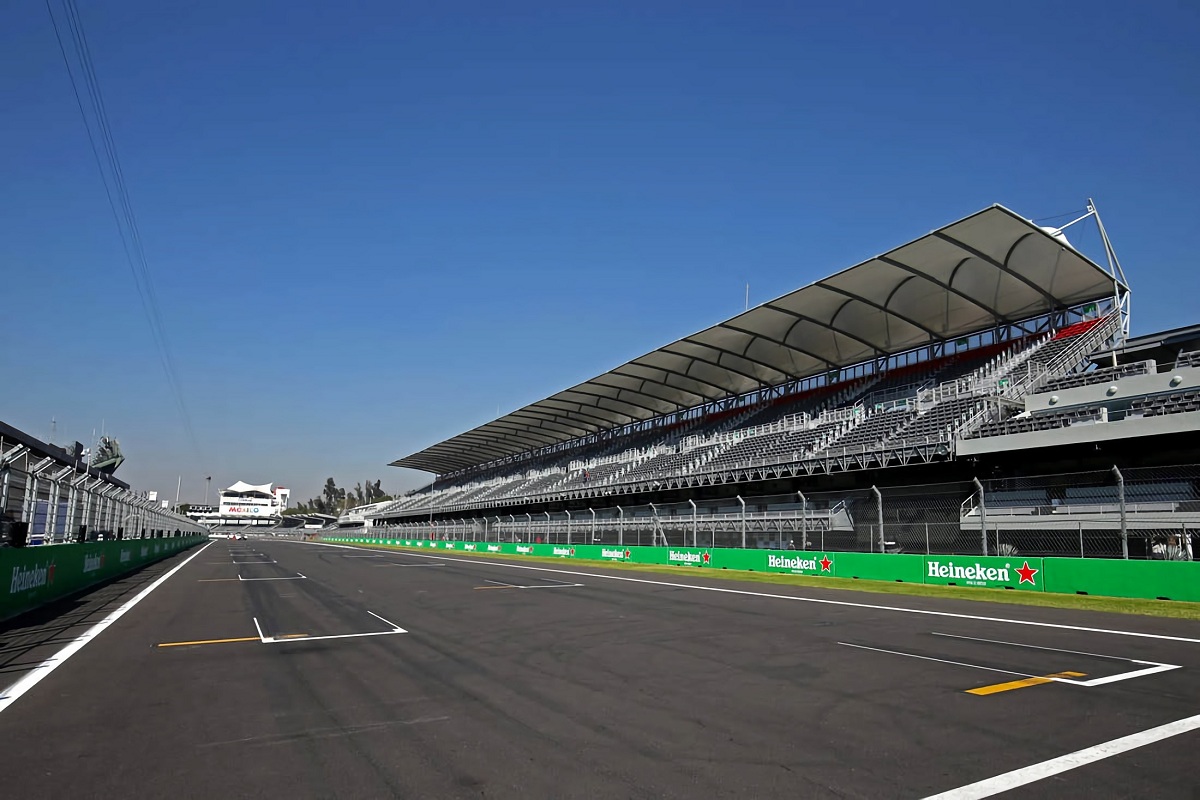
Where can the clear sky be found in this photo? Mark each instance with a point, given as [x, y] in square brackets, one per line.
[373, 225]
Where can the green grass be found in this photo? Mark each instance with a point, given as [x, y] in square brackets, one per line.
[1118, 605]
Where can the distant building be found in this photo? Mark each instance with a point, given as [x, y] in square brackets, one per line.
[246, 504]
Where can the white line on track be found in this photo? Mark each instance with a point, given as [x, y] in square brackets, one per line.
[297, 577]
[1080, 758]
[1150, 667]
[39, 673]
[394, 564]
[793, 597]
[292, 639]
[555, 585]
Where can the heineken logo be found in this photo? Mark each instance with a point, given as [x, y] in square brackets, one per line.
[681, 557]
[493, 548]
[31, 578]
[93, 563]
[799, 563]
[468, 546]
[145, 551]
[607, 553]
[125, 556]
[524, 549]
[564, 551]
[448, 545]
[978, 572]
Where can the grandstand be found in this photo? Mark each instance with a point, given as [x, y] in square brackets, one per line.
[941, 358]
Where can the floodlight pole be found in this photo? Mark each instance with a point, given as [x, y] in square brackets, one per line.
[593, 523]
[803, 521]
[879, 515]
[692, 503]
[621, 526]
[1124, 521]
[654, 527]
[547, 513]
[743, 502]
[568, 513]
[982, 513]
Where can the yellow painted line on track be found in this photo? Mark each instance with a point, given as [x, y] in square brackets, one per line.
[996, 688]
[210, 641]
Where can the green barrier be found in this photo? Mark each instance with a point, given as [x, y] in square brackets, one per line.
[1153, 580]
[33, 576]
[881, 567]
[988, 572]
[1163, 580]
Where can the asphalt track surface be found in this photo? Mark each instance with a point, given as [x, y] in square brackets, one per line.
[643, 688]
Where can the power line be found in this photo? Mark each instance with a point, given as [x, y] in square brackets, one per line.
[117, 192]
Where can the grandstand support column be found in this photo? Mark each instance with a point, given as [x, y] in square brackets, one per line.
[879, 517]
[1121, 505]
[982, 513]
[593, 523]
[695, 540]
[567, 511]
[743, 502]
[620, 525]
[803, 521]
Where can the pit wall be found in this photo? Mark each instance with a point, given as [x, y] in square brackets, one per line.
[34, 576]
[1155, 580]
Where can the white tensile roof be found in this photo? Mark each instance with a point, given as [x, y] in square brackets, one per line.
[987, 270]
[241, 487]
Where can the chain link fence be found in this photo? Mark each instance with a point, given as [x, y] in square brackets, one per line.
[1144, 513]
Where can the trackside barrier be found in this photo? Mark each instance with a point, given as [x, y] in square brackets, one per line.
[1154, 580]
[33, 576]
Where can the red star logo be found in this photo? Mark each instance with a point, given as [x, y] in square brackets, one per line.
[50, 573]
[627, 554]
[706, 557]
[572, 551]
[1027, 572]
[825, 563]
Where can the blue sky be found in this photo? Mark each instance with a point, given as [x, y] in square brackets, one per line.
[372, 225]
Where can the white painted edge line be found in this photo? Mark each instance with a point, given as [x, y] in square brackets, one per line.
[1152, 667]
[394, 564]
[38, 673]
[794, 597]
[258, 628]
[364, 556]
[254, 562]
[1055, 766]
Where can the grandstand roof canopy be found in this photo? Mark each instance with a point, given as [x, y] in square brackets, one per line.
[989, 269]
